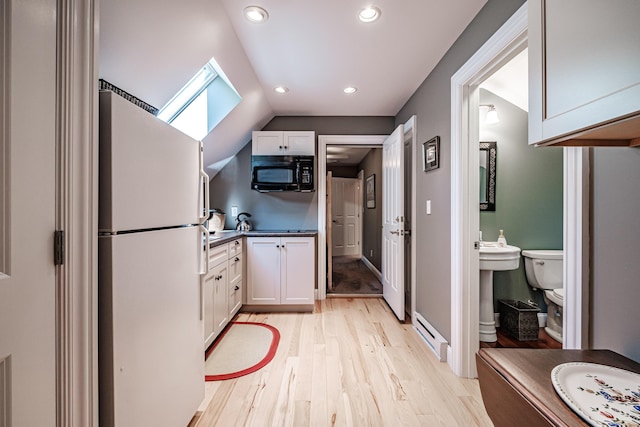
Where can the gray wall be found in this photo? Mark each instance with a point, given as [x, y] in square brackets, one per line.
[372, 218]
[528, 196]
[431, 103]
[614, 262]
[290, 210]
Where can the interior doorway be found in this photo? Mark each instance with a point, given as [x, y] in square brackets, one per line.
[508, 41]
[352, 223]
[409, 170]
[340, 146]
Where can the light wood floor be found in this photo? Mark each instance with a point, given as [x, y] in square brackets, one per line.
[350, 363]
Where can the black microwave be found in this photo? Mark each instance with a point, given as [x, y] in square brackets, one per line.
[282, 173]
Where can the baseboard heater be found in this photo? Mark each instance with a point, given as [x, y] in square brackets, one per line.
[434, 340]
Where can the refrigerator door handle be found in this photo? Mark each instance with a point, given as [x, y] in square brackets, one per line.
[204, 264]
[204, 185]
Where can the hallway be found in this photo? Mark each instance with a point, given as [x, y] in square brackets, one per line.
[352, 277]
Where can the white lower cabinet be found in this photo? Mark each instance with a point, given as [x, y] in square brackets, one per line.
[280, 270]
[222, 288]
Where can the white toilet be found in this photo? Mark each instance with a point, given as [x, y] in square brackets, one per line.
[544, 271]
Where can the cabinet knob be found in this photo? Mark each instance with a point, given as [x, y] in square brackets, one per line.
[280, 147]
[237, 259]
[277, 246]
[237, 242]
[236, 288]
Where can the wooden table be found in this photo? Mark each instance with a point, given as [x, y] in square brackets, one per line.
[516, 384]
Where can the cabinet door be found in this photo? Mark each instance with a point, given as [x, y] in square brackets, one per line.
[299, 143]
[220, 295]
[207, 302]
[263, 270]
[267, 143]
[297, 270]
[584, 64]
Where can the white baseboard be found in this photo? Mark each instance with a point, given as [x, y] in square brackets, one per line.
[372, 267]
[432, 337]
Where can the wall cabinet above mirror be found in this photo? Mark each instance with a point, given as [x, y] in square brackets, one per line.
[584, 72]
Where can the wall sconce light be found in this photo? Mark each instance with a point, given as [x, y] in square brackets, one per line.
[492, 114]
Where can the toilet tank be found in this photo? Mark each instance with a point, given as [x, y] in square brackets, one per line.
[543, 268]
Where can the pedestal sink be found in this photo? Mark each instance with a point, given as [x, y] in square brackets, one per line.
[493, 258]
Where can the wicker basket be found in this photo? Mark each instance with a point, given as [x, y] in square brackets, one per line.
[519, 319]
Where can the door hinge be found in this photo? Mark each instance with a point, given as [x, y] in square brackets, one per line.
[58, 247]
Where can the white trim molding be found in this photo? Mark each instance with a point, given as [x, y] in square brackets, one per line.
[576, 247]
[323, 141]
[5, 138]
[411, 134]
[76, 212]
[509, 40]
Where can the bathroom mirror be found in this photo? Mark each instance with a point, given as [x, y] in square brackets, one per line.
[488, 157]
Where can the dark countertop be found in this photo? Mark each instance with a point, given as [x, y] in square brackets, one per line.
[516, 380]
[225, 236]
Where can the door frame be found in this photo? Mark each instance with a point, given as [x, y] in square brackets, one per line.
[509, 40]
[77, 213]
[323, 141]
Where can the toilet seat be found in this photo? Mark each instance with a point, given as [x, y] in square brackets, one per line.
[556, 296]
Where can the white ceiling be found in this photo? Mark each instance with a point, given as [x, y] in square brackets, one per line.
[151, 48]
[511, 82]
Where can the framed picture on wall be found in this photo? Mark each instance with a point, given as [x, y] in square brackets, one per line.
[371, 191]
[431, 154]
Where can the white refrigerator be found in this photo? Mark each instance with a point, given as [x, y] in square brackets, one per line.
[152, 195]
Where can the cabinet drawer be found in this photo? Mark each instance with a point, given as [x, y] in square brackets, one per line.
[235, 268]
[235, 248]
[235, 297]
[217, 255]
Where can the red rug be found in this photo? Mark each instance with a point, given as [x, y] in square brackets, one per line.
[243, 348]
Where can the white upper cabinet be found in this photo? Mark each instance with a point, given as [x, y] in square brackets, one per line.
[584, 72]
[283, 143]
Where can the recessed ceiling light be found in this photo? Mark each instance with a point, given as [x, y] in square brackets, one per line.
[255, 14]
[369, 14]
[281, 89]
[350, 89]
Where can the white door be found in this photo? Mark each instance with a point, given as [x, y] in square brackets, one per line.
[393, 221]
[345, 216]
[329, 231]
[27, 213]
[297, 267]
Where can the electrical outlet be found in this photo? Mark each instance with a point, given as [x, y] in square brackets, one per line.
[234, 211]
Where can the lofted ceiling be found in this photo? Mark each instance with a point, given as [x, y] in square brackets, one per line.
[151, 48]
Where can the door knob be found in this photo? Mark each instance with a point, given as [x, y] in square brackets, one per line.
[395, 232]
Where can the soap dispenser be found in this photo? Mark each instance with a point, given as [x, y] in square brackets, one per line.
[502, 241]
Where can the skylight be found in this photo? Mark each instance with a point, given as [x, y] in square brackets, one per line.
[202, 103]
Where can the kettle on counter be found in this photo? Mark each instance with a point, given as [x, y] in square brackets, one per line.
[243, 224]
